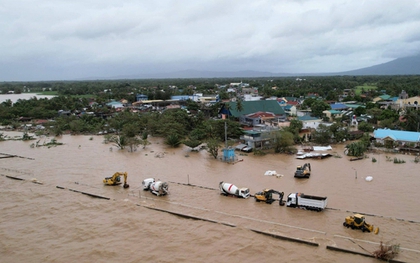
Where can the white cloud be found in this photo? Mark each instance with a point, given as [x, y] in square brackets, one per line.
[77, 39]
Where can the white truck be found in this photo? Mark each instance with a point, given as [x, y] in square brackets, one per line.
[309, 202]
[232, 190]
[156, 187]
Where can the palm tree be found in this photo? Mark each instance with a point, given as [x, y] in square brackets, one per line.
[239, 104]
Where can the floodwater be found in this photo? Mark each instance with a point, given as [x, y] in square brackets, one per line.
[43, 223]
[23, 96]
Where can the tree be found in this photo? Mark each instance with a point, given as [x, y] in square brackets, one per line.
[239, 104]
[356, 149]
[283, 142]
[359, 111]
[133, 143]
[191, 143]
[411, 120]
[339, 133]
[213, 145]
[120, 141]
[322, 135]
[173, 140]
[144, 140]
[365, 127]
[318, 107]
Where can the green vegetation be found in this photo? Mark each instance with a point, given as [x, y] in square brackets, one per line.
[396, 160]
[367, 87]
[79, 107]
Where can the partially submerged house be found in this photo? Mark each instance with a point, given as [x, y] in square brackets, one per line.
[257, 139]
[395, 138]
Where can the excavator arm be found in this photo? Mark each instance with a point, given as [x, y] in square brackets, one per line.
[281, 194]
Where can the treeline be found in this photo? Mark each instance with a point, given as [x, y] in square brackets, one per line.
[328, 87]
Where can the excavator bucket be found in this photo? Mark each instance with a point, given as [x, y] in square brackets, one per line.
[376, 231]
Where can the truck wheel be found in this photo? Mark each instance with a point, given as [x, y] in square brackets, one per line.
[344, 224]
[352, 226]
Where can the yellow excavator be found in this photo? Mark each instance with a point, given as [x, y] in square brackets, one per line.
[303, 171]
[267, 196]
[357, 221]
[116, 179]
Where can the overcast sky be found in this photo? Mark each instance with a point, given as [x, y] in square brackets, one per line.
[77, 39]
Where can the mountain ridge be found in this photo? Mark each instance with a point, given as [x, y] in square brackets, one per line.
[400, 66]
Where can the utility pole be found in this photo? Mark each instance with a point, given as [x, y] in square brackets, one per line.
[226, 135]
[355, 173]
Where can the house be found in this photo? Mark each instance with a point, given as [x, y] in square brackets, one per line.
[258, 118]
[332, 114]
[141, 97]
[413, 102]
[339, 106]
[291, 108]
[197, 97]
[309, 122]
[257, 139]
[115, 104]
[249, 107]
[381, 98]
[252, 97]
[391, 138]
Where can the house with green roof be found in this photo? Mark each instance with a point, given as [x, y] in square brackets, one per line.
[309, 122]
[382, 98]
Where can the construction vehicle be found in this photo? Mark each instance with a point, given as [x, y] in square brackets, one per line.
[158, 187]
[308, 202]
[232, 190]
[357, 221]
[116, 179]
[267, 196]
[303, 171]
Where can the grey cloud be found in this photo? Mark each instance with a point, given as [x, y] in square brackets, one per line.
[99, 38]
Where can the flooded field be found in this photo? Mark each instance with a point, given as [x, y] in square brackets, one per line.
[55, 222]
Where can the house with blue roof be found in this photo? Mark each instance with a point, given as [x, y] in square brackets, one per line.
[393, 138]
[339, 106]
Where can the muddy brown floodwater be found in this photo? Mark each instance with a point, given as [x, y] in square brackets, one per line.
[43, 223]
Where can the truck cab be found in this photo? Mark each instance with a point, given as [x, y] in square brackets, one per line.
[244, 192]
[291, 200]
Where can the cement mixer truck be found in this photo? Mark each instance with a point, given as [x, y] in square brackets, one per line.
[156, 187]
[232, 190]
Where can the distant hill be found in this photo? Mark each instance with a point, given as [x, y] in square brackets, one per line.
[399, 66]
[190, 74]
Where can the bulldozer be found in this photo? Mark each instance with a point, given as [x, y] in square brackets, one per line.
[357, 221]
[116, 179]
[267, 196]
[303, 171]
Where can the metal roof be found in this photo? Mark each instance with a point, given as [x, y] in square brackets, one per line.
[396, 135]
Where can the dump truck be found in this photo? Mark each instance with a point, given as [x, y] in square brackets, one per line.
[357, 221]
[303, 171]
[158, 187]
[308, 202]
[228, 189]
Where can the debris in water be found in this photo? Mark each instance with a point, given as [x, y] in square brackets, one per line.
[369, 178]
[386, 252]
